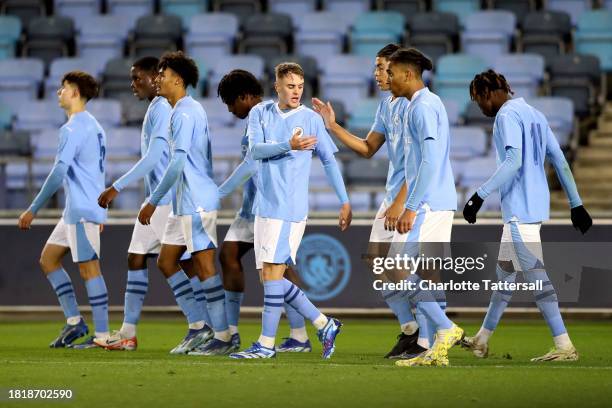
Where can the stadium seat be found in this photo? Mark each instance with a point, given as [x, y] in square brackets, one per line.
[267, 35]
[6, 117]
[546, 33]
[45, 143]
[15, 143]
[524, 72]
[475, 117]
[361, 172]
[185, 9]
[349, 8]
[292, 7]
[452, 111]
[116, 78]
[20, 79]
[318, 177]
[49, 38]
[134, 110]
[328, 200]
[453, 76]
[467, 142]
[594, 36]
[434, 33]
[226, 141]
[375, 29]
[122, 142]
[130, 9]
[488, 34]
[131, 197]
[476, 171]
[201, 88]
[252, 63]
[347, 78]
[577, 77]
[60, 66]
[559, 112]
[106, 111]
[362, 116]
[320, 35]
[574, 8]
[216, 112]
[211, 36]
[341, 115]
[25, 10]
[520, 8]
[462, 8]
[37, 115]
[407, 8]
[102, 37]
[240, 8]
[156, 34]
[10, 30]
[77, 9]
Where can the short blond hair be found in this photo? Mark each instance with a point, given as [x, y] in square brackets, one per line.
[285, 68]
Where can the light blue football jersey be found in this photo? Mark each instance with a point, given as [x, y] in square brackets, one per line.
[389, 121]
[195, 190]
[526, 198]
[156, 124]
[426, 118]
[82, 147]
[282, 182]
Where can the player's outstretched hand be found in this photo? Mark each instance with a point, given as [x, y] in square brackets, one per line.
[392, 214]
[581, 219]
[406, 221]
[346, 216]
[299, 142]
[472, 207]
[25, 220]
[145, 214]
[325, 110]
[107, 197]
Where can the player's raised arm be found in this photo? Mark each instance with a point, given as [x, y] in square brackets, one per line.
[580, 217]
[364, 147]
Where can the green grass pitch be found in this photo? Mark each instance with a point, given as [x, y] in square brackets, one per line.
[357, 375]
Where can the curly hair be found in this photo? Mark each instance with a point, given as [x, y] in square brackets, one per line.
[184, 66]
[87, 85]
[488, 81]
[238, 83]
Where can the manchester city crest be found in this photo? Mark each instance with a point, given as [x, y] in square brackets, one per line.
[324, 266]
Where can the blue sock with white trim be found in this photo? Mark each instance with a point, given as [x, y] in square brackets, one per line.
[233, 301]
[62, 285]
[183, 293]
[399, 304]
[426, 304]
[198, 294]
[273, 307]
[215, 302]
[135, 292]
[547, 302]
[499, 299]
[296, 298]
[98, 300]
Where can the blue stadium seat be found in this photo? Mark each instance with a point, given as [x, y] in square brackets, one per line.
[434, 33]
[574, 8]
[48, 38]
[122, 142]
[462, 8]
[594, 36]
[185, 9]
[292, 7]
[453, 77]
[37, 115]
[77, 8]
[407, 8]
[524, 72]
[559, 112]
[375, 29]
[368, 173]
[102, 37]
[488, 34]
[547, 33]
[25, 10]
[268, 35]
[577, 77]
[10, 30]
[328, 201]
[211, 36]
[467, 142]
[452, 111]
[20, 79]
[6, 116]
[252, 63]
[116, 78]
[60, 66]
[106, 111]
[156, 34]
[363, 114]
[217, 113]
[318, 178]
[520, 8]
[45, 143]
[130, 9]
[132, 196]
[475, 172]
[201, 88]
[349, 8]
[346, 78]
[242, 9]
[320, 35]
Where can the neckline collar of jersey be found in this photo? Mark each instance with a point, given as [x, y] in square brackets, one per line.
[421, 91]
[287, 114]
[182, 99]
[519, 99]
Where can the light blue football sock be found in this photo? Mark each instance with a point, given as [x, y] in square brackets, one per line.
[296, 298]
[296, 320]
[183, 293]
[135, 292]
[426, 304]
[198, 294]
[98, 300]
[499, 298]
[398, 302]
[233, 301]
[273, 304]
[547, 302]
[215, 301]
[62, 285]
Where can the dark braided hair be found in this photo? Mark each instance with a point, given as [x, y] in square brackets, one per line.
[236, 84]
[488, 81]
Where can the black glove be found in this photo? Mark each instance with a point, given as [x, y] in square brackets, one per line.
[472, 207]
[581, 219]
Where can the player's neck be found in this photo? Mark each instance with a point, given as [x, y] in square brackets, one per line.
[285, 106]
[414, 89]
[74, 109]
[173, 99]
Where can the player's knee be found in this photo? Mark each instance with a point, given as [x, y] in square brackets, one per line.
[48, 265]
[167, 267]
[136, 261]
